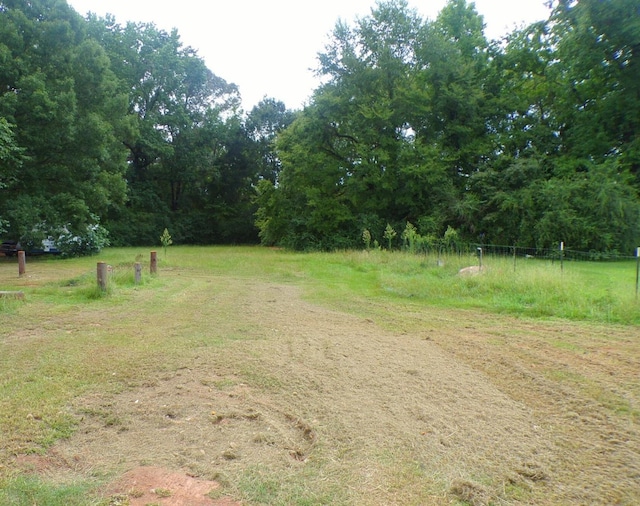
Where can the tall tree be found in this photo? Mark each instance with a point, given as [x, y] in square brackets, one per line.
[565, 141]
[456, 55]
[11, 159]
[61, 96]
[378, 149]
[176, 105]
[263, 124]
[598, 44]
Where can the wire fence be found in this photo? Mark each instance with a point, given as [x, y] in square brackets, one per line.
[559, 253]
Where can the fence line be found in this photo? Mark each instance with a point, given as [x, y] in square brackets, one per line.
[493, 250]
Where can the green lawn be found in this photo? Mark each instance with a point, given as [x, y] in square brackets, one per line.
[56, 344]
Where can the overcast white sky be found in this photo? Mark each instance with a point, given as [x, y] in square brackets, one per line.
[268, 47]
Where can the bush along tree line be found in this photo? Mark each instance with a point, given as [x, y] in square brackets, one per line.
[113, 133]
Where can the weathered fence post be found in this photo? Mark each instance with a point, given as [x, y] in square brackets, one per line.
[138, 272]
[102, 276]
[562, 256]
[22, 263]
[637, 271]
[154, 262]
[479, 259]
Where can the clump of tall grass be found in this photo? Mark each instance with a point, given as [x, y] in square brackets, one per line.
[534, 288]
[9, 305]
[84, 286]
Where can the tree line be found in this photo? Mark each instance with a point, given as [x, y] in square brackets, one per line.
[421, 125]
[527, 141]
[122, 128]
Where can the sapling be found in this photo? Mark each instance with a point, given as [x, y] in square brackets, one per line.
[366, 237]
[389, 234]
[411, 236]
[166, 241]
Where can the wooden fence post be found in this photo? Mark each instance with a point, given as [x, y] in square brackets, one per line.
[154, 262]
[637, 271]
[22, 263]
[138, 272]
[102, 276]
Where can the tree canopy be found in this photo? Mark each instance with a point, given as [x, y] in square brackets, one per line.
[530, 140]
[420, 125]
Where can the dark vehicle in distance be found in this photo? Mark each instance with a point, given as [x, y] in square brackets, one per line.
[9, 248]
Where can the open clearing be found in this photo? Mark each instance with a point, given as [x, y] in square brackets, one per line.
[238, 390]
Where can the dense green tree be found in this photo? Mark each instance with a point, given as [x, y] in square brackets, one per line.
[10, 162]
[308, 207]
[372, 149]
[593, 209]
[177, 132]
[455, 56]
[597, 43]
[61, 98]
[263, 124]
[528, 141]
[566, 138]
[422, 126]
[11, 155]
[232, 192]
[525, 120]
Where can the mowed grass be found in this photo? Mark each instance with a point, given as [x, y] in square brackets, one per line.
[586, 291]
[57, 345]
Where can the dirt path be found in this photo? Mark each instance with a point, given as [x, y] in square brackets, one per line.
[343, 411]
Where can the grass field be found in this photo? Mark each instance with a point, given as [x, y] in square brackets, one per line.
[344, 378]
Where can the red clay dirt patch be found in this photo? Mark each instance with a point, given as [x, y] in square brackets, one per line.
[146, 485]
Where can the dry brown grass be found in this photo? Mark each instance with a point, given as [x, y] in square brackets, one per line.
[283, 401]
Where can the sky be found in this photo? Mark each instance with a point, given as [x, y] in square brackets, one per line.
[269, 47]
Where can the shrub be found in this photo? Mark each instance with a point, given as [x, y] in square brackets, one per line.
[90, 242]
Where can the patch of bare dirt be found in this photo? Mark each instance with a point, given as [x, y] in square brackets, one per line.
[147, 485]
